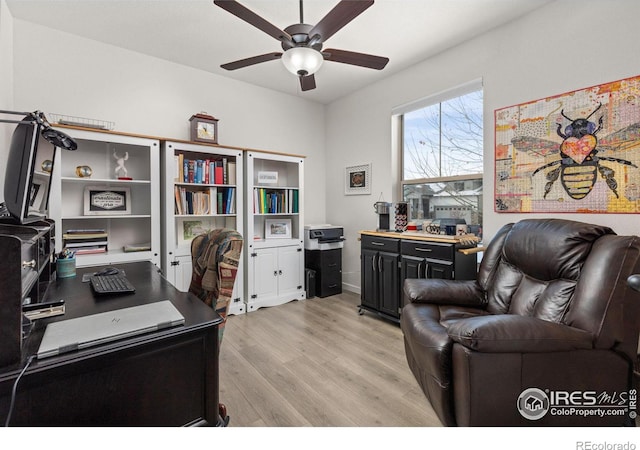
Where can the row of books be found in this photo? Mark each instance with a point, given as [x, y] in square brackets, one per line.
[205, 171]
[203, 202]
[85, 241]
[269, 201]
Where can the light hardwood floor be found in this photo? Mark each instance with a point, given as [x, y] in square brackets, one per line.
[317, 362]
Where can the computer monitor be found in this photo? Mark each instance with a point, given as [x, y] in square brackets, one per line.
[26, 193]
[27, 180]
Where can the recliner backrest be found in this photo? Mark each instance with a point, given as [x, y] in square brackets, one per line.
[533, 266]
[566, 272]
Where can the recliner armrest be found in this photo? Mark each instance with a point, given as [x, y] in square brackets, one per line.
[510, 333]
[444, 292]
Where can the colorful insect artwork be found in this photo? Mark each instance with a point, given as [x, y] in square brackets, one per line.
[577, 152]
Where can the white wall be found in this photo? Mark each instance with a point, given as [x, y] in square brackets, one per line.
[57, 72]
[563, 46]
[6, 86]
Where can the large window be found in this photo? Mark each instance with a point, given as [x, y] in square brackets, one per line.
[442, 150]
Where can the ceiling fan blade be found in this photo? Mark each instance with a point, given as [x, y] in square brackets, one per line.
[252, 18]
[251, 61]
[343, 13]
[307, 83]
[356, 59]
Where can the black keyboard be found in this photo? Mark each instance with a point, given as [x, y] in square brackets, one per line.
[111, 284]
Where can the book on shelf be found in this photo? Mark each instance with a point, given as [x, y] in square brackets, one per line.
[193, 202]
[180, 164]
[219, 206]
[91, 250]
[230, 206]
[84, 236]
[90, 243]
[225, 169]
[146, 246]
[231, 173]
[178, 202]
[199, 176]
[176, 163]
[191, 171]
[85, 230]
[270, 201]
[218, 174]
[205, 171]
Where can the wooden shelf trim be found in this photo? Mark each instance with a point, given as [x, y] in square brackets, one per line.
[166, 139]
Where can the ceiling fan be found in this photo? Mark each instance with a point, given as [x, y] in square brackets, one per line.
[302, 43]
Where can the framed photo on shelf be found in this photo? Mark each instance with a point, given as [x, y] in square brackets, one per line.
[103, 200]
[277, 229]
[357, 180]
[188, 229]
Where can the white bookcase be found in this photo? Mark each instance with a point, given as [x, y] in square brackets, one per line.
[136, 228]
[202, 189]
[274, 229]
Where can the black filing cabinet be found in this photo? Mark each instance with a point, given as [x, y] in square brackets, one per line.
[328, 267]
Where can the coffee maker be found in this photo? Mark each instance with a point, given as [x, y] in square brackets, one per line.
[383, 209]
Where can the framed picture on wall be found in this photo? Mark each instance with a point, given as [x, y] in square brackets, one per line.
[357, 180]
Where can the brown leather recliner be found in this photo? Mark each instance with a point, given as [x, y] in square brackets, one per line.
[549, 325]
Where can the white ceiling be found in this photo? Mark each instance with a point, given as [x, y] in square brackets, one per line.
[199, 34]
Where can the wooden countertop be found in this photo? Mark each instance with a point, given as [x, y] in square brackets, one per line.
[467, 239]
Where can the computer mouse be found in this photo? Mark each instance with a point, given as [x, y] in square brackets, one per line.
[107, 271]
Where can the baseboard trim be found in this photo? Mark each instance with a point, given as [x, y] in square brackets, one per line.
[351, 288]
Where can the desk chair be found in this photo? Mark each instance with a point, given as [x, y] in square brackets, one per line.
[215, 257]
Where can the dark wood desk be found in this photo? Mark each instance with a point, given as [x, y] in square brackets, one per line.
[164, 378]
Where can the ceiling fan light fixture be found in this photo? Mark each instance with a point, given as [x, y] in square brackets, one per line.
[302, 61]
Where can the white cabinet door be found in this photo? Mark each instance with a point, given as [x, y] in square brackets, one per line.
[276, 276]
[182, 272]
[290, 283]
[264, 289]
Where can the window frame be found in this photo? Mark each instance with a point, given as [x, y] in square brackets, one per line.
[399, 112]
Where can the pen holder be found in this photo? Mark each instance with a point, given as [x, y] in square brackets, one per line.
[66, 267]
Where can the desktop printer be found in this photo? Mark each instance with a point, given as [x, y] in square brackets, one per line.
[323, 259]
[323, 237]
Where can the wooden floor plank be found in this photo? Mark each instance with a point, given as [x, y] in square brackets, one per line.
[317, 362]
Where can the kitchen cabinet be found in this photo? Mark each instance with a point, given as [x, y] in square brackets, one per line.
[388, 258]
